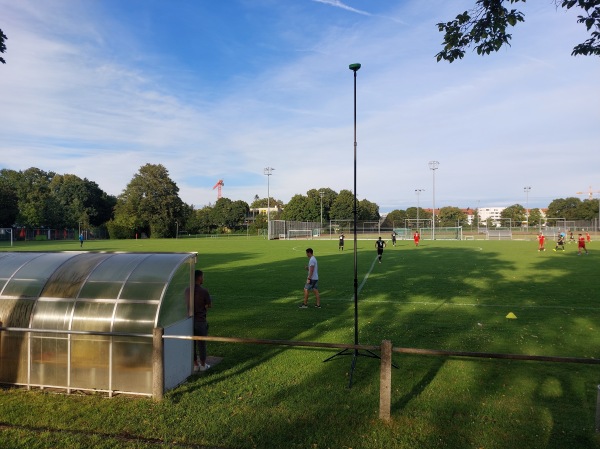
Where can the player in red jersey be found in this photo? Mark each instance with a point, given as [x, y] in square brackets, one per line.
[541, 241]
[416, 238]
[581, 245]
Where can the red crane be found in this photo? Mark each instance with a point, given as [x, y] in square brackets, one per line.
[218, 186]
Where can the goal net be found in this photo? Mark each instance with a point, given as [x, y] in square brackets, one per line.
[403, 233]
[499, 234]
[300, 234]
[442, 233]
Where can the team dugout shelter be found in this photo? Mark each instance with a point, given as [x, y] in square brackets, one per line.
[84, 321]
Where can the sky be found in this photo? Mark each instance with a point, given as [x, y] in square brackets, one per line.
[221, 90]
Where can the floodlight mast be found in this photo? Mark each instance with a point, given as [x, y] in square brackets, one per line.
[433, 166]
[268, 171]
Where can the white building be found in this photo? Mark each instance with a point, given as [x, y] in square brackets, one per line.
[490, 212]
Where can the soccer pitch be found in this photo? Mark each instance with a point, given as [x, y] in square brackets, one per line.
[449, 295]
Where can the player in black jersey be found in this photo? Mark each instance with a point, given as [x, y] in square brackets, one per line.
[379, 244]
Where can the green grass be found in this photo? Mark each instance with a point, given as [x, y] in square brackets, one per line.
[442, 295]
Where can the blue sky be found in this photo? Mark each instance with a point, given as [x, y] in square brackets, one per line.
[222, 89]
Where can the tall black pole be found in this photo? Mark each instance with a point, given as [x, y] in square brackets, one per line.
[356, 352]
[354, 68]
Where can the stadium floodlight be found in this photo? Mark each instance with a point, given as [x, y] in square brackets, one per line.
[433, 166]
[355, 353]
[418, 192]
[321, 193]
[268, 171]
[527, 189]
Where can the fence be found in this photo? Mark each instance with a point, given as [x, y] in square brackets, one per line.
[43, 234]
[386, 350]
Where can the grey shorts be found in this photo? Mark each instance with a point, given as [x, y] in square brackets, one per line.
[312, 285]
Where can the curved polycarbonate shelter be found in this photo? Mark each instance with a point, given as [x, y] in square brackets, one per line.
[109, 303]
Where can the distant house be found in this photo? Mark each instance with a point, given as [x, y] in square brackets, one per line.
[492, 213]
[275, 209]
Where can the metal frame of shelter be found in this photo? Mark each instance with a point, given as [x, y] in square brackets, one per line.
[84, 320]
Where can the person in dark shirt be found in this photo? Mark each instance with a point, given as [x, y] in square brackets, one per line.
[379, 244]
[202, 302]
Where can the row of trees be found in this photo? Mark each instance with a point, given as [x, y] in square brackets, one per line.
[570, 209]
[35, 198]
[150, 205]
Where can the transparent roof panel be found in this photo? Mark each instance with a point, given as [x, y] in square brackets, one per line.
[96, 291]
[135, 317]
[156, 269]
[117, 267]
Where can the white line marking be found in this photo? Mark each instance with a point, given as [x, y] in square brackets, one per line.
[453, 304]
[365, 278]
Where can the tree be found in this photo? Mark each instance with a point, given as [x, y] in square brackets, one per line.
[3, 38]
[229, 215]
[343, 206]
[368, 210]
[485, 28]
[535, 217]
[516, 213]
[201, 221]
[150, 203]
[35, 204]
[566, 208]
[9, 205]
[423, 215]
[451, 216]
[296, 209]
[395, 219]
[79, 201]
[588, 209]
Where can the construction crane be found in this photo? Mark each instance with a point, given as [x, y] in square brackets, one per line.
[590, 193]
[218, 186]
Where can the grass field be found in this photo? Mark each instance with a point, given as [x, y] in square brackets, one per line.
[443, 295]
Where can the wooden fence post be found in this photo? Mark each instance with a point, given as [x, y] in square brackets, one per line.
[598, 410]
[385, 381]
[158, 372]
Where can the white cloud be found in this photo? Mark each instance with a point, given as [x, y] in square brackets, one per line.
[82, 95]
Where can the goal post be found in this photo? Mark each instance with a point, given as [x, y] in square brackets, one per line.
[442, 233]
[306, 234]
[6, 237]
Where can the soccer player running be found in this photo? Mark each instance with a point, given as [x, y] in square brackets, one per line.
[541, 241]
[581, 245]
[379, 244]
[416, 238]
[560, 242]
[394, 238]
[312, 280]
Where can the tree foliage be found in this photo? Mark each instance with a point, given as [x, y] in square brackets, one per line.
[229, 215]
[535, 217]
[49, 200]
[451, 216]
[150, 204]
[516, 213]
[567, 208]
[485, 28]
[9, 205]
[395, 219]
